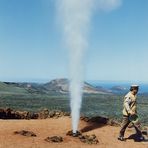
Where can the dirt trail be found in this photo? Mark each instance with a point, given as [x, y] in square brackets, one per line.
[107, 135]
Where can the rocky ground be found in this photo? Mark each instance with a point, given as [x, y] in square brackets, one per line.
[52, 132]
[9, 113]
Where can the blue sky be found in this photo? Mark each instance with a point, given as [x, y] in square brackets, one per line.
[31, 46]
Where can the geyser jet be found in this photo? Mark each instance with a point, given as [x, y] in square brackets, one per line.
[75, 16]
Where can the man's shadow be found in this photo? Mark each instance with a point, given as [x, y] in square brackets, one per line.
[136, 138]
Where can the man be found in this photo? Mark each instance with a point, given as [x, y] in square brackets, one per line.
[129, 111]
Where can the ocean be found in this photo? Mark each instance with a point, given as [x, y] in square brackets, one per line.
[124, 86]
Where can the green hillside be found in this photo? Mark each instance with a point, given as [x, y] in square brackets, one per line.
[10, 89]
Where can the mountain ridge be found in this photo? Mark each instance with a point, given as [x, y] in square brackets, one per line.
[60, 85]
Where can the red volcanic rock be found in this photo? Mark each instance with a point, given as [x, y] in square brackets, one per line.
[56, 139]
[25, 133]
[70, 133]
[89, 139]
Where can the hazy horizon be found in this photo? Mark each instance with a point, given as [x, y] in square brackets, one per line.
[29, 80]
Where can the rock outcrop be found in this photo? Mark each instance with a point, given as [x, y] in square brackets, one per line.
[8, 113]
[55, 139]
[25, 133]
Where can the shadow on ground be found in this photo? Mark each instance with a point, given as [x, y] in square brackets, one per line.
[135, 137]
[94, 123]
[91, 126]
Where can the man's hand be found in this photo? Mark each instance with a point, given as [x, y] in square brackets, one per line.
[131, 112]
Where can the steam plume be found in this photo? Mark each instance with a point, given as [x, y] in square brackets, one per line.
[75, 16]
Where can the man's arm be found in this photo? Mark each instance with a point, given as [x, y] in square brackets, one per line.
[127, 106]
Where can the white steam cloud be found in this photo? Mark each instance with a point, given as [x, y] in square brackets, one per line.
[75, 18]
